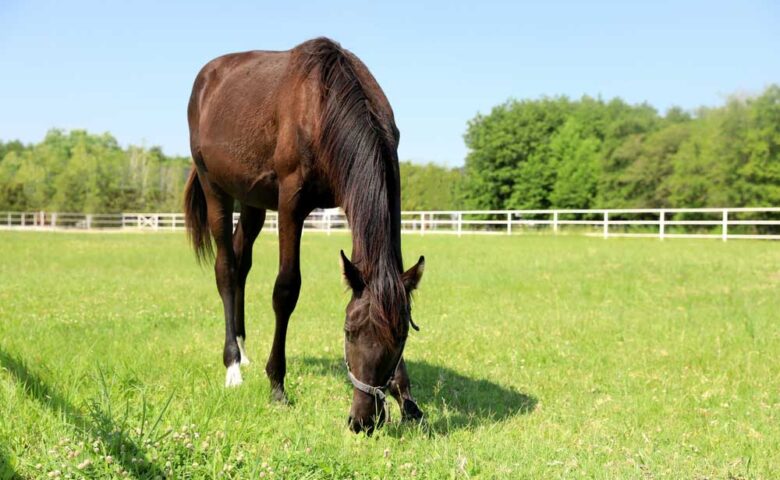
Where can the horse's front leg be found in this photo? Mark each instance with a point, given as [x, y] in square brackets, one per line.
[286, 289]
[401, 390]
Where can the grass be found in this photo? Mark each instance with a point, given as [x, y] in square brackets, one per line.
[539, 357]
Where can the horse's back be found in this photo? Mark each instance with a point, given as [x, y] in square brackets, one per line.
[233, 88]
[233, 113]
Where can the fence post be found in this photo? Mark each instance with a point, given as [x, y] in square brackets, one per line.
[509, 223]
[89, 221]
[555, 221]
[54, 220]
[725, 233]
[9, 219]
[422, 223]
[23, 218]
[460, 223]
[661, 224]
[606, 224]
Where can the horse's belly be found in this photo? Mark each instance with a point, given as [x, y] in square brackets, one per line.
[251, 182]
[263, 193]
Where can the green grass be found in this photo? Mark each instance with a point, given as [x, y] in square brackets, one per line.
[539, 357]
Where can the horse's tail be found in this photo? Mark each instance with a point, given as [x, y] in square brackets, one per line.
[196, 218]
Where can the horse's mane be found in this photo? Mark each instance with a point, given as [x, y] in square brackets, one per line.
[358, 141]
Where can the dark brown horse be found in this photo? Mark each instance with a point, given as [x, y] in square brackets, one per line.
[293, 131]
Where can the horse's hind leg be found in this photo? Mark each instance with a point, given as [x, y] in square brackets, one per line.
[401, 390]
[249, 226]
[220, 217]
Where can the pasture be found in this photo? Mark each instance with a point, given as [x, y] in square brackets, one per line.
[538, 357]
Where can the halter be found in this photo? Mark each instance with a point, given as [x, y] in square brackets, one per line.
[376, 392]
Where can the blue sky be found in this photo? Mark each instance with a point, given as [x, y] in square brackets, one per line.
[127, 67]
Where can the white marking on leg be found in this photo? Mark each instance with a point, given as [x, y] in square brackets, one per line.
[233, 376]
[241, 348]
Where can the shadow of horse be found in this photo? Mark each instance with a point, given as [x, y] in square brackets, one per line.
[97, 424]
[462, 402]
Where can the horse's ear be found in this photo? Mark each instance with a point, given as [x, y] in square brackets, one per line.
[351, 274]
[413, 276]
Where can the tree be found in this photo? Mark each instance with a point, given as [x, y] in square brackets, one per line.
[576, 161]
[507, 165]
[759, 175]
[644, 179]
[430, 187]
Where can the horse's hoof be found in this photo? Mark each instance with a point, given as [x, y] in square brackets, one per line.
[278, 396]
[233, 376]
[411, 412]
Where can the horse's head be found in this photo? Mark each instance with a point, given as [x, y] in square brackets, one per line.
[372, 350]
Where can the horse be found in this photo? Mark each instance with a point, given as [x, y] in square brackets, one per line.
[293, 131]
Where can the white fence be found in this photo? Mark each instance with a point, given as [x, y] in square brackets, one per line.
[719, 223]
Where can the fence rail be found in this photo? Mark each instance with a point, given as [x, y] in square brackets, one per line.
[718, 223]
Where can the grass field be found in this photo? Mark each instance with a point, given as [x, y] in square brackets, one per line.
[539, 357]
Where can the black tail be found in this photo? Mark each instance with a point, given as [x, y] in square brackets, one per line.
[196, 218]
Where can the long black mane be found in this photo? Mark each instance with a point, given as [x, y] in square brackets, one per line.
[359, 141]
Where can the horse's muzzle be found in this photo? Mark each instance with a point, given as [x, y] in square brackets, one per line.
[367, 425]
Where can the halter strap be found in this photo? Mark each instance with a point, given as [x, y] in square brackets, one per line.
[376, 392]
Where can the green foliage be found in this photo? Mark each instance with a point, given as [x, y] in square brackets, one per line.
[575, 160]
[430, 187]
[591, 153]
[81, 172]
[508, 163]
[760, 173]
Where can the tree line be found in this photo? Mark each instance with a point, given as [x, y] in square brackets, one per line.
[81, 172]
[525, 154]
[594, 153]
[591, 153]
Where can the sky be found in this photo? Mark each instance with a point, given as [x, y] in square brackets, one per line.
[128, 67]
